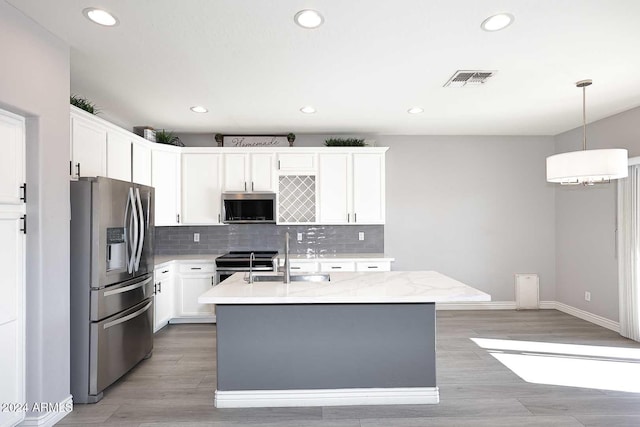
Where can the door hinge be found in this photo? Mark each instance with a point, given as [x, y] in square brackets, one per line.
[24, 223]
[23, 187]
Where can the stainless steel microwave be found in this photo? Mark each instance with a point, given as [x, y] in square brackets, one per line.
[248, 207]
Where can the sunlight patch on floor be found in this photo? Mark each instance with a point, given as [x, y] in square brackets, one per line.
[597, 367]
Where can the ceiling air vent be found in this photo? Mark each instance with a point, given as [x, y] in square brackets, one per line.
[462, 78]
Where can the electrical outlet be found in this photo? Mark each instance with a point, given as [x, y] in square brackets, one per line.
[587, 296]
[299, 237]
[361, 235]
[196, 237]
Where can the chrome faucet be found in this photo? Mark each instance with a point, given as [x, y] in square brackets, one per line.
[252, 258]
[287, 265]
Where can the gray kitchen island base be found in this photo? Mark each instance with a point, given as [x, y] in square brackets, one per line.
[271, 355]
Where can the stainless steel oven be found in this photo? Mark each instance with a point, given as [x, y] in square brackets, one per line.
[248, 207]
[238, 261]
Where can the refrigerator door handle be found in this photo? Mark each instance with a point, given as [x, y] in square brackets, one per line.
[133, 230]
[128, 317]
[127, 233]
[140, 213]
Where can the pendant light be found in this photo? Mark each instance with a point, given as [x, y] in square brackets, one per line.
[587, 167]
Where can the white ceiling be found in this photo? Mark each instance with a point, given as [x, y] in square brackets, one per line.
[253, 68]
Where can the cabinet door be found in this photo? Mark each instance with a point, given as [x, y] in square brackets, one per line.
[89, 148]
[297, 162]
[368, 189]
[164, 302]
[141, 159]
[334, 182]
[235, 172]
[12, 160]
[164, 177]
[11, 315]
[201, 188]
[192, 286]
[262, 172]
[118, 156]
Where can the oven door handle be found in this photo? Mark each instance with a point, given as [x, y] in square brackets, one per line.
[127, 317]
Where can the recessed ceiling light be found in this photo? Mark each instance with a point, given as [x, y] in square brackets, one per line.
[100, 16]
[497, 22]
[308, 109]
[199, 109]
[308, 18]
[415, 110]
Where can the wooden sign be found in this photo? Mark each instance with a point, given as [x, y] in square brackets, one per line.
[255, 141]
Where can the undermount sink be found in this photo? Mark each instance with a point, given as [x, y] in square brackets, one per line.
[313, 277]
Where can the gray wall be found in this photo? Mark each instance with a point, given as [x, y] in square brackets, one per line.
[477, 209]
[34, 82]
[316, 239]
[586, 221]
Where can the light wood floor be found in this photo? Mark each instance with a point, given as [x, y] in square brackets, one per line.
[175, 387]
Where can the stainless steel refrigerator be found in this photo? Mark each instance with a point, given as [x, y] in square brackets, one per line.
[111, 282]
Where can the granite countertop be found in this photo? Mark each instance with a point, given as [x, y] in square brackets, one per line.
[366, 287]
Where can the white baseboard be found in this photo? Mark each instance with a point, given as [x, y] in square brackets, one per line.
[544, 305]
[50, 418]
[589, 317]
[208, 319]
[327, 397]
[477, 305]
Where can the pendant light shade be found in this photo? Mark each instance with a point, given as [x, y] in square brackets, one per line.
[587, 167]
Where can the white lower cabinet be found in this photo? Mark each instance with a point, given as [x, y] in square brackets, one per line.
[193, 280]
[373, 266]
[338, 265]
[328, 267]
[304, 267]
[164, 284]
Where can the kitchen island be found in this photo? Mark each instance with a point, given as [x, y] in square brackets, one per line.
[358, 339]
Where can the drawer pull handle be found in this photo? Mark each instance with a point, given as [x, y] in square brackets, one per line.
[372, 266]
[196, 268]
[336, 268]
[165, 271]
[295, 268]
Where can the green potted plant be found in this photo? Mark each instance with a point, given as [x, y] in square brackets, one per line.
[168, 137]
[84, 104]
[291, 137]
[344, 142]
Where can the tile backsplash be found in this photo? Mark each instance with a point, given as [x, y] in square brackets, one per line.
[316, 239]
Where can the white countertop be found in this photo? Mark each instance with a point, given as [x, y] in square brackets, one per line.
[366, 287]
[163, 259]
[338, 257]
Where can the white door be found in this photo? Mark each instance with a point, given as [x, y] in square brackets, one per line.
[89, 148]
[334, 183]
[368, 188]
[141, 159]
[262, 172]
[12, 266]
[12, 159]
[118, 156]
[201, 188]
[235, 172]
[163, 302]
[164, 177]
[192, 286]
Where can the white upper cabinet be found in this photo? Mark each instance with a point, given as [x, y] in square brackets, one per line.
[12, 174]
[296, 163]
[118, 155]
[235, 172]
[334, 187]
[351, 188]
[165, 178]
[201, 188]
[88, 147]
[141, 161]
[249, 171]
[368, 188]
